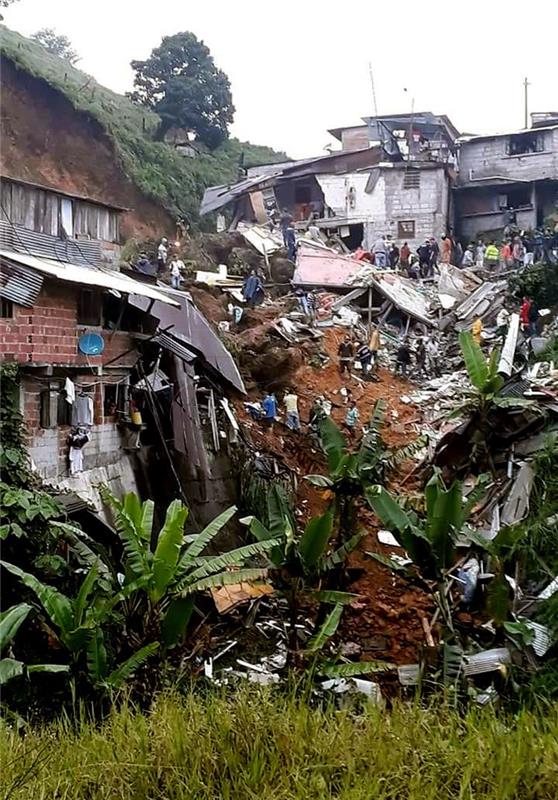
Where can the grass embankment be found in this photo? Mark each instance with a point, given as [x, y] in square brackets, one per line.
[175, 181]
[262, 744]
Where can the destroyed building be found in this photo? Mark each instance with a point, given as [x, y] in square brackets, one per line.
[507, 179]
[393, 177]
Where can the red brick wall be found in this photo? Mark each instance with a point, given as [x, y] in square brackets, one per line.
[48, 333]
[45, 333]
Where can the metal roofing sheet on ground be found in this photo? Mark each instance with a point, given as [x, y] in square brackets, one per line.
[88, 276]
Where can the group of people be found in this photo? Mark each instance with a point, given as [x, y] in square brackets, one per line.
[364, 351]
[424, 352]
[173, 264]
[513, 252]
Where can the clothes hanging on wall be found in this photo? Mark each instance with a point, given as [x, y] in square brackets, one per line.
[82, 410]
[70, 388]
[77, 440]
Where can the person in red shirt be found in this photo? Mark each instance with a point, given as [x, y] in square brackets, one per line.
[524, 313]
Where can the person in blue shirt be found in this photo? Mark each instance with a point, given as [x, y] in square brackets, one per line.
[269, 406]
[290, 239]
[252, 289]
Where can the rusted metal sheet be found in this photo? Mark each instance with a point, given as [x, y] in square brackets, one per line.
[19, 284]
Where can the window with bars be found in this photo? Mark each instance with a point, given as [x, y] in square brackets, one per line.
[411, 179]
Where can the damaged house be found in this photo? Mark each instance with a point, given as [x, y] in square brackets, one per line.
[393, 176]
[508, 179]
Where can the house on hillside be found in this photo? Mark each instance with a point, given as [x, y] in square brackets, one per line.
[393, 177]
[508, 178]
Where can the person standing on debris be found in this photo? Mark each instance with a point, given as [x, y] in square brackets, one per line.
[291, 242]
[291, 407]
[447, 246]
[379, 250]
[162, 255]
[364, 355]
[375, 344]
[420, 355]
[252, 289]
[434, 255]
[176, 269]
[518, 252]
[502, 323]
[457, 253]
[524, 313]
[143, 264]
[314, 232]
[424, 252]
[393, 256]
[479, 253]
[476, 330]
[302, 298]
[345, 353]
[468, 259]
[352, 417]
[404, 255]
[269, 406]
[506, 255]
[533, 315]
[492, 256]
[433, 353]
[403, 359]
[285, 220]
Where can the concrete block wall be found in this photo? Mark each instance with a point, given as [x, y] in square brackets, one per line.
[488, 158]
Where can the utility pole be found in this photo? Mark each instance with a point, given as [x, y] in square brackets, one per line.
[526, 85]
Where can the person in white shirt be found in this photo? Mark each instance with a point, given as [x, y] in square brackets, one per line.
[502, 323]
[162, 254]
[433, 354]
[291, 406]
[176, 269]
[314, 232]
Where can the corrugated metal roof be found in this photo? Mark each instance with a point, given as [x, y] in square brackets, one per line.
[45, 245]
[88, 276]
[216, 197]
[486, 661]
[174, 346]
[19, 284]
[188, 325]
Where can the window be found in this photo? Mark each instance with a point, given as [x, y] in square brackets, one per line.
[524, 143]
[6, 308]
[89, 307]
[406, 229]
[411, 179]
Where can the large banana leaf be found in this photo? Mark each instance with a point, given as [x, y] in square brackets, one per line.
[353, 668]
[371, 450]
[11, 621]
[85, 589]
[167, 552]
[120, 675]
[10, 668]
[315, 539]
[176, 619]
[137, 551]
[475, 361]
[327, 629]
[262, 534]
[332, 596]
[209, 532]
[224, 579]
[87, 553]
[340, 555]
[333, 442]
[256, 528]
[409, 536]
[96, 655]
[321, 481]
[233, 558]
[444, 512]
[57, 606]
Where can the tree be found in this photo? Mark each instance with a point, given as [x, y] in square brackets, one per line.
[57, 44]
[181, 83]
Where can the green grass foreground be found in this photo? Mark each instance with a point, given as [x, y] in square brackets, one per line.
[263, 744]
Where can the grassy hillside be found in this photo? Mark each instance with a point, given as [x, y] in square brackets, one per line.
[172, 180]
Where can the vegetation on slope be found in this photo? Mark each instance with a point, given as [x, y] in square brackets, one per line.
[175, 181]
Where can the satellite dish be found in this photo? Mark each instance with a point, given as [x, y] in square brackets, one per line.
[91, 344]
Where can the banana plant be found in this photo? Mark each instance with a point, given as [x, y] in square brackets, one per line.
[350, 473]
[78, 623]
[303, 560]
[430, 540]
[177, 567]
[10, 622]
[483, 409]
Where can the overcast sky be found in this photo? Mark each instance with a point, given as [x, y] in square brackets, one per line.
[299, 68]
